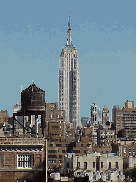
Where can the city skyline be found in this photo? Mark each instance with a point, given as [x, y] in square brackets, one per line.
[104, 35]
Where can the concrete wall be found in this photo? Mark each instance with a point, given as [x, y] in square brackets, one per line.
[89, 158]
[106, 158]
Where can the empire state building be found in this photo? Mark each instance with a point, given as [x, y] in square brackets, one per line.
[69, 82]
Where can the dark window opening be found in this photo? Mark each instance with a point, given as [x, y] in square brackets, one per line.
[109, 164]
[101, 164]
[67, 164]
[116, 164]
[78, 164]
[85, 165]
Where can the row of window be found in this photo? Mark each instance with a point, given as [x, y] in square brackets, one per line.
[103, 137]
[102, 165]
[129, 150]
[107, 133]
[2, 119]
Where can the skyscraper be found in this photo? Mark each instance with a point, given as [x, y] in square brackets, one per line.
[69, 82]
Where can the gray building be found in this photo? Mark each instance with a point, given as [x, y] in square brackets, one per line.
[85, 120]
[105, 118]
[95, 114]
[69, 82]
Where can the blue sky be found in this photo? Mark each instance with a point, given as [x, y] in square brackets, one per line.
[32, 34]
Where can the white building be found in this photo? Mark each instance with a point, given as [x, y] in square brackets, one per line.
[107, 166]
[69, 82]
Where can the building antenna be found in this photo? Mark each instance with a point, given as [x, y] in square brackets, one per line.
[69, 20]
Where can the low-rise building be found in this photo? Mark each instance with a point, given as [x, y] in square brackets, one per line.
[110, 161]
[97, 162]
[22, 159]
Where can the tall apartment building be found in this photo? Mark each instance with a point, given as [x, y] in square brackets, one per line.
[125, 118]
[69, 82]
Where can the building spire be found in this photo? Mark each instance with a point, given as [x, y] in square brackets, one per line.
[69, 40]
[69, 22]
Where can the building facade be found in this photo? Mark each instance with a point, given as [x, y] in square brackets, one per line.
[125, 118]
[22, 159]
[106, 137]
[69, 82]
[55, 121]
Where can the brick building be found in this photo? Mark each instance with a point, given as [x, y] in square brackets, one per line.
[125, 148]
[57, 150]
[125, 118]
[22, 159]
[106, 137]
[55, 121]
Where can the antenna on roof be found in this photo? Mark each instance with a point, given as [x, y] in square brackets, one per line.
[69, 21]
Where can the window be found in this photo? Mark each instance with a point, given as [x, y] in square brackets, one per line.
[85, 165]
[88, 145]
[76, 151]
[63, 151]
[55, 126]
[67, 164]
[58, 145]
[101, 164]
[24, 160]
[125, 150]
[60, 161]
[93, 164]
[109, 164]
[60, 156]
[51, 145]
[52, 156]
[81, 145]
[129, 150]
[51, 161]
[116, 164]
[78, 164]
[52, 151]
